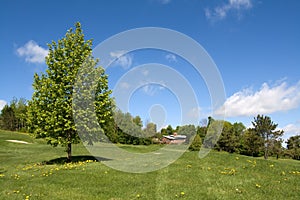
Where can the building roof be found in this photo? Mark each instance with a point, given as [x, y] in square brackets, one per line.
[175, 137]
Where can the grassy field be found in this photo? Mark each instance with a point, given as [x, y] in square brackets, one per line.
[37, 171]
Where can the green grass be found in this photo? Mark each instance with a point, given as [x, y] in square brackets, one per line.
[36, 171]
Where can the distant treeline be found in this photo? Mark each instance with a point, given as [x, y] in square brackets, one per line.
[262, 140]
[13, 116]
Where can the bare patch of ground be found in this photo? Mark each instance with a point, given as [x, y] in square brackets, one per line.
[18, 141]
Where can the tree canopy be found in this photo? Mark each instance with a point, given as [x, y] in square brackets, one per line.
[266, 128]
[50, 109]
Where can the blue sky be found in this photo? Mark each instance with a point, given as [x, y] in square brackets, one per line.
[255, 45]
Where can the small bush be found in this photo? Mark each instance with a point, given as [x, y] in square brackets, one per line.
[196, 144]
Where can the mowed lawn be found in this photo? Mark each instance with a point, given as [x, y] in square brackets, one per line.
[37, 171]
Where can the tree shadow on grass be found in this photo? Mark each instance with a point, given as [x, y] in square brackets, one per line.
[83, 158]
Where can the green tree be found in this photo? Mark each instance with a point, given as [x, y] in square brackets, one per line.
[214, 127]
[228, 140]
[238, 129]
[92, 106]
[20, 113]
[128, 132]
[110, 130]
[138, 121]
[13, 116]
[8, 118]
[251, 143]
[188, 130]
[196, 144]
[150, 129]
[201, 131]
[276, 148]
[169, 130]
[50, 112]
[266, 128]
[293, 146]
[210, 121]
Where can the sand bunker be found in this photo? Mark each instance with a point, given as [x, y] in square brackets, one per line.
[18, 141]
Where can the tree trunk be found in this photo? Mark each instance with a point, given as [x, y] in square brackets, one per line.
[69, 152]
[266, 153]
[69, 147]
[266, 148]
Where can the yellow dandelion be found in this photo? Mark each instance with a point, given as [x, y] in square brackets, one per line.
[182, 193]
[238, 191]
[232, 171]
[257, 185]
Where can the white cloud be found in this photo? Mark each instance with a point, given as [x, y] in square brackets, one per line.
[32, 52]
[265, 101]
[194, 113]
[153, 88]
[149, 89]
[220, 12]
[2, 104]
[171, 58]
[125, 85]
[290, 130]
[145, 72]
[122, 59]
[293, 129]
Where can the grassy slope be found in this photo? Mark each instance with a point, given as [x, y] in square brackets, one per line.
[217, 176]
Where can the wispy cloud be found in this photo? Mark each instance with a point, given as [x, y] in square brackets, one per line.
[124, 85]
[149, 89]
[164, 1]
[194, 112]
[268, 99]
[152, 88]
[145, 72]
[221, 12]
[32, 52]
[290, 130]
[171, 58]
[122, 59]
[2, 104]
